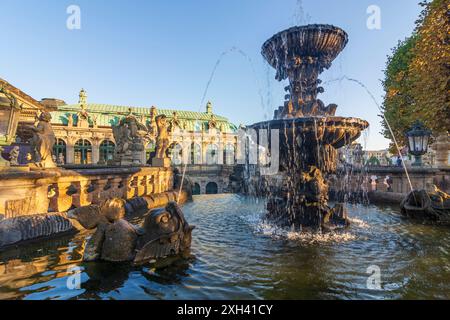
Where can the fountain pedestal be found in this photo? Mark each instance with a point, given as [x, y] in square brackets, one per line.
[309, 133]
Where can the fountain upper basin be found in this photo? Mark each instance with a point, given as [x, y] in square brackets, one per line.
[334, 131]
[320, 41]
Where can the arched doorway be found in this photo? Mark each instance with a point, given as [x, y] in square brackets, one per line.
[59, 151]
[211, 188]
[83, 152]
[196, 189]
[212, 154]
[106, 150]
[196, 154]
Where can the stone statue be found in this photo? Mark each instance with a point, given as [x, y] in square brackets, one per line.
[94, 121]
[70, 120]
[122, 136]
[14, 156]
[42, 142]
[129, 136]
[212, 123]
[83, 119]
[152, 127]
[162, 140]
[174, 122]
[431, 206]
[164, 232]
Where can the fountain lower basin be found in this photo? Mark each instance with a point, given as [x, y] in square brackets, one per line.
[298, 193]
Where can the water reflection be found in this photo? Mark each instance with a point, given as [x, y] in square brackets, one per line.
[231, 258]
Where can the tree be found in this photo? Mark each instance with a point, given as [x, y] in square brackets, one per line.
[430, 67]
[417, 76]
[398, 105]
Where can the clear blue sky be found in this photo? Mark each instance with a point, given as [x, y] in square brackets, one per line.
[162, 52]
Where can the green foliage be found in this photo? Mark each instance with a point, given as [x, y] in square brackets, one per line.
[417, 75]
[398, 106]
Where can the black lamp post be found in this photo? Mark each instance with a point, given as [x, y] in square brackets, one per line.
[418, 138]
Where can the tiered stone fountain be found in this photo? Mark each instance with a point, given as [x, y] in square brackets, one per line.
[309, 131]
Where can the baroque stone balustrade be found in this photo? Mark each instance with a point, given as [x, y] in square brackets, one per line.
[57, 190]
[373, 179]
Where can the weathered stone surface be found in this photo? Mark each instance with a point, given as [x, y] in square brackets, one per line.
[43, 141]
[129, 136]
[94, 245]
[89, 216]
[114, 209]
[165, 230]
[120, 242]
[24, 228]
[427, 206]
[162, 140]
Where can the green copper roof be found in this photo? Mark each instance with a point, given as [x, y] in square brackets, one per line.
[108, 115]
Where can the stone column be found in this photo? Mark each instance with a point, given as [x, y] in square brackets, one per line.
[70, 153]
[83, 197]
[97, 196]
[64, 200]
[140, 187]
[150, 184]
[132, 187]
[119, 187]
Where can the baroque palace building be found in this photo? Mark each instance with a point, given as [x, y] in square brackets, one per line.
[84, 133]
[207, 142]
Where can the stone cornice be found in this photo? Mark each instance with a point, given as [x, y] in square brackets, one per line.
[22, 96]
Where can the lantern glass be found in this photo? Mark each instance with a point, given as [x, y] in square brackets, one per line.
[425, 144]
[418, 144]
[411, 143]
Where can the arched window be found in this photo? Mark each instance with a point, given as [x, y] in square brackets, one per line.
[106, 150]
[196, 153]
[196, 189]
[83, 152]
[59, 150]
[228, 154]
[175, 153]
[212, 154]
[211, 188]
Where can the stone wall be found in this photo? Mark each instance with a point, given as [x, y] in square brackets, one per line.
[33, 203]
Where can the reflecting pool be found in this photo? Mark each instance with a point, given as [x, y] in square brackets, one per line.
[235, 255]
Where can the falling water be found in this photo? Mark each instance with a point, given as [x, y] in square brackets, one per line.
[300, 16]
[382, 115]
[211, 77]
